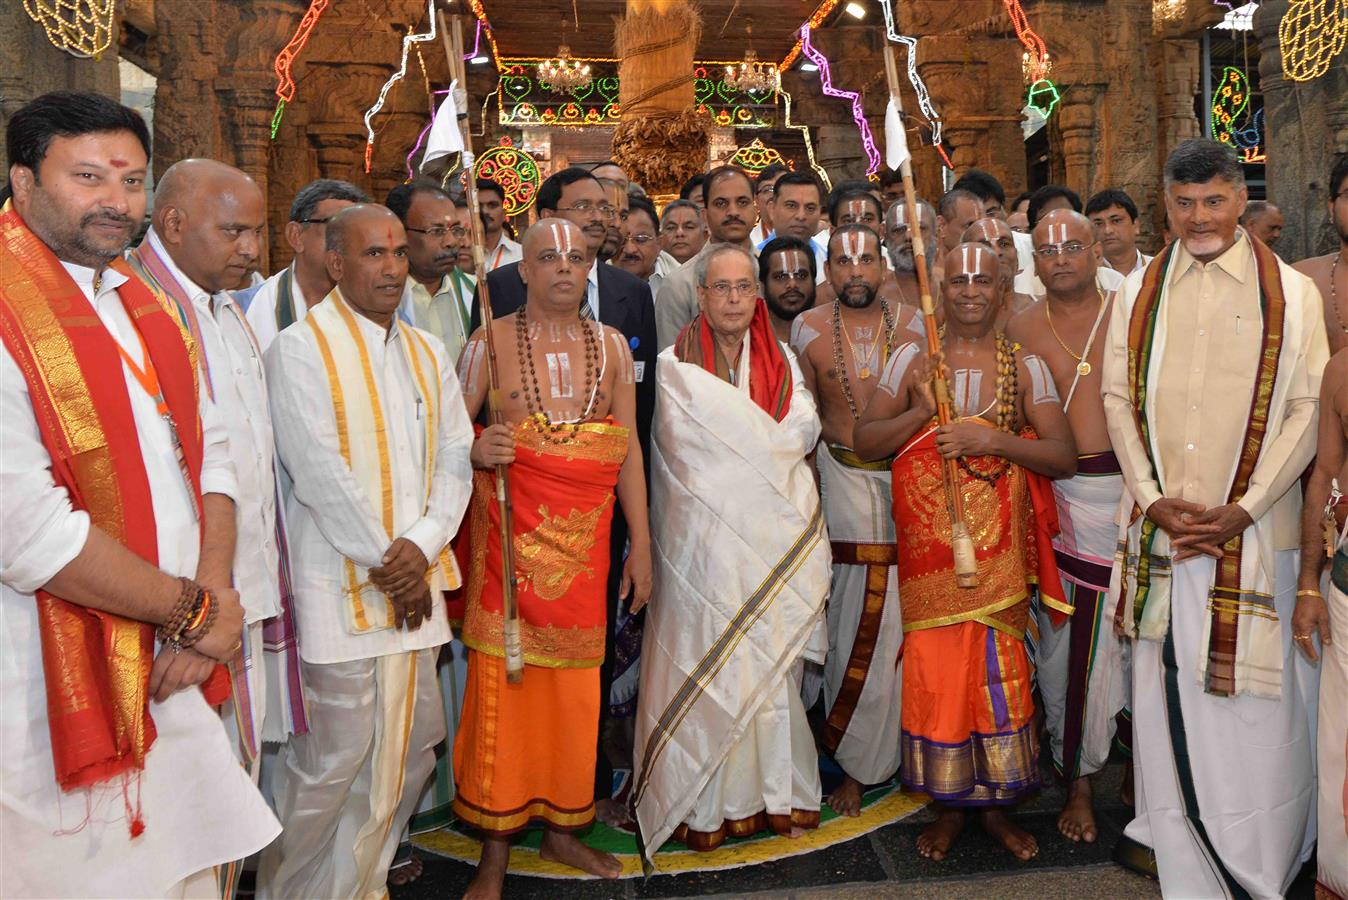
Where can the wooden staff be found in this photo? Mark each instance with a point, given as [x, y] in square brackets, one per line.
[514, 655]
[961, 541]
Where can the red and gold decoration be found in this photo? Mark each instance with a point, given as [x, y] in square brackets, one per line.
[514, 170]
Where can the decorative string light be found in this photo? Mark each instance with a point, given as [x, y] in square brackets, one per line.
[394, 79]
[515, 171]
[809, 144]
[82, 28]
[285, 84]
[923, 97]
[1310, 35]
[1043, 96]
[1033, 43]
[816, 19]
[826, 83]
[756, 156]
[1229, 101]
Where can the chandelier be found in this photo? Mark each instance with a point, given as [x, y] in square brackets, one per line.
[749, 74]
[1035, 69]
[564, 74]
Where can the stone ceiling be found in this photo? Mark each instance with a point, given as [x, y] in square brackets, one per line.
[534, 28]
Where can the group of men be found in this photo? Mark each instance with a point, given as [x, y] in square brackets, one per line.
[744, 483]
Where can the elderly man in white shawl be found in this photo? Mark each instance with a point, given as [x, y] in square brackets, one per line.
[742, 566]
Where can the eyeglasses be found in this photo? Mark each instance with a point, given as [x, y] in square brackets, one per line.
[725, 288]
[585, 206]
[641, 240]
[313, 221]
[798, 275]
[439, 231]
[1071, 248]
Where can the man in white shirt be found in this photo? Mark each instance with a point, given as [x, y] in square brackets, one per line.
[119, 779]
[499, 250]
[285, 298]
[640, 253]
[1113, 215]
[797, 200]
[682, 232]
[728, 200]
[438, 292]
[373, 433]
[207, 226]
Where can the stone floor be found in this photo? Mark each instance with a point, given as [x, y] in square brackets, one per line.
[883, 865]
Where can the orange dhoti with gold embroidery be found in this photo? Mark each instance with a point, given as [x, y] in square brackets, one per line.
[526, 751]
[968, 736]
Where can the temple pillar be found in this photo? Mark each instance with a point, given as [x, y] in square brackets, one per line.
[1304, 123]
[31, 66]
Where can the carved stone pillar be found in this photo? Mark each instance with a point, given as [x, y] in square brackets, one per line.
[30, 65]
[1076, 127]
[336, 128]
[1303, 123]
[957, 82]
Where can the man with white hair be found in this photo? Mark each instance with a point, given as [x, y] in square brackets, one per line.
[742, 570]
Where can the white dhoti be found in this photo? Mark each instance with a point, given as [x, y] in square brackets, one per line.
[1225, 785]
[345, 790]
[1083, 665]
[863, 683]
[741, 575]
[1332, 856]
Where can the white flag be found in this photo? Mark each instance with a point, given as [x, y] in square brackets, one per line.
[445, 137]
[896, 139]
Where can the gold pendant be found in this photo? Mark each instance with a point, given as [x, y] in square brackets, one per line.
[1083, 368]
[864, 373]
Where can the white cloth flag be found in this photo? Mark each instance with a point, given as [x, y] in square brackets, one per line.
[445, 137]
[896, 139]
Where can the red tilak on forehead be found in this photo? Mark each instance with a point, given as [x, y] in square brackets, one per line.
[118, 163]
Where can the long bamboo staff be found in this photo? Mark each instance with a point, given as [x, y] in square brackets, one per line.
[514, 654]
[961, 541]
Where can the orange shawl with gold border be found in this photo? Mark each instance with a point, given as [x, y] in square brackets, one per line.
[1012, 521]
[97, 665]
[562, 499]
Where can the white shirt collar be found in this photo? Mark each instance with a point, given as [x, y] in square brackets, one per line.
[593, 277]
[371, 330]
[84, 277]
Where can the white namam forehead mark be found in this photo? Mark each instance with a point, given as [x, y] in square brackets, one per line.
[1057, 232]
[971, 258]
[853, 242]
[1042, 387]
[897, 367]
[561, 236]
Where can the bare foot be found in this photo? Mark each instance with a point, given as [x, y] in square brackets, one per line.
[846, 800]
[1077, 822]
[613, 813]
[491, 871]
[936, 839]
[405, 872]
[569, 851]
[796, 832]
[1019, 841]
[1126, 789]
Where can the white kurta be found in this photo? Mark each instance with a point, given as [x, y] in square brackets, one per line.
[262, 306]
[347, 788]
[330, 517]
[200, 808]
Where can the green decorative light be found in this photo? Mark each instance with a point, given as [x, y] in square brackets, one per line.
[1043, 96]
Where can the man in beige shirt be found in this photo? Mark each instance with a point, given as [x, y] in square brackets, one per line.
[1211, 380]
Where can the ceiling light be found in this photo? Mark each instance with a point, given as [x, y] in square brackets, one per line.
[480, 60]
[856, 10]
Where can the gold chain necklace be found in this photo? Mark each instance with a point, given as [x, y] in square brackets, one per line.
[1083, 365]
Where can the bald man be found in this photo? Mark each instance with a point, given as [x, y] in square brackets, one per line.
[968, 734]
[525, 753]
[205, 234]
[1082, 664]
[371, 429]
[1263, 219]
[995, 233]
